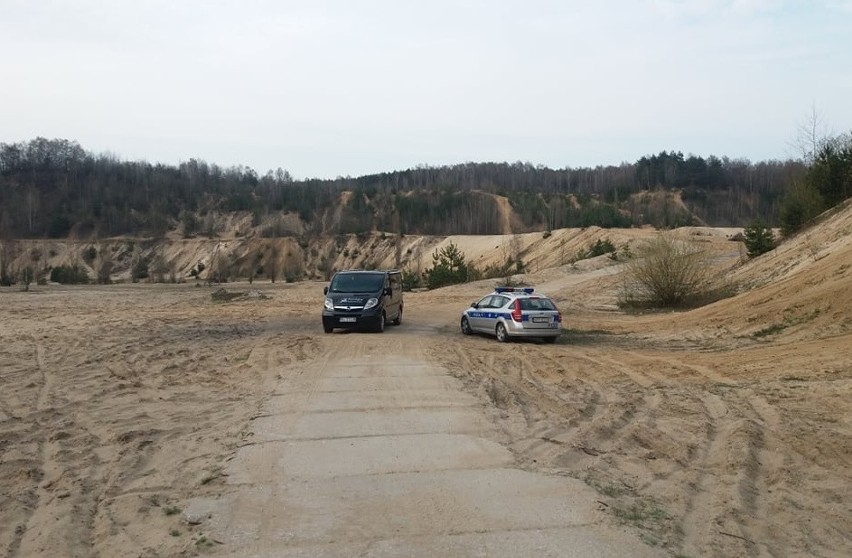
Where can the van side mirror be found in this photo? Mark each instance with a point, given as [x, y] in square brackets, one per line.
[325, 290]
[389, 291]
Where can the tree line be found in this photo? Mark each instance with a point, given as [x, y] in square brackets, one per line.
[53, 188]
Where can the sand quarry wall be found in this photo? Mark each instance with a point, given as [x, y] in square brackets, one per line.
[239, 257]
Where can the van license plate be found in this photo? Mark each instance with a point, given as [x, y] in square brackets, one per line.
[347, 320]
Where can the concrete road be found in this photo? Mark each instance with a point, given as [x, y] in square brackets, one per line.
[371, 450]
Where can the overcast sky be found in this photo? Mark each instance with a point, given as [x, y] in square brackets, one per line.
[335, 88]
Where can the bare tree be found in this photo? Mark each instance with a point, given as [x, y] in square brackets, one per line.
[810, 135]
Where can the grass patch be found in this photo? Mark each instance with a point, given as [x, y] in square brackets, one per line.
[171, 510]
[790, 319]
[769, 330]
[174, 532]
[641, 513]
[204, 542]
[607, 487]
[649, 540]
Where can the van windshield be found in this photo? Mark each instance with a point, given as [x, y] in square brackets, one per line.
[357, 283]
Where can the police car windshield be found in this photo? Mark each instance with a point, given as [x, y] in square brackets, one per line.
[357, 283]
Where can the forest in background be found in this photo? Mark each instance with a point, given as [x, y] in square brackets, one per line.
[53, 188]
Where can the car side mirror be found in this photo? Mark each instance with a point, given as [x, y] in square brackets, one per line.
[325, 290]
[474, 305]
[389, 291]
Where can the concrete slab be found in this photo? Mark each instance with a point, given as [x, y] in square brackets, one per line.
[347, 424]
[380, 383]
[271, 461]
[367, 400]
[571, 542]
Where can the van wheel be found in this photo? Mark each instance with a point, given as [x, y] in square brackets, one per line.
[398, 319]
[327, 329]
[380, 327]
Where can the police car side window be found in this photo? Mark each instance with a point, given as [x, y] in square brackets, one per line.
[485, 302]
[499, 301]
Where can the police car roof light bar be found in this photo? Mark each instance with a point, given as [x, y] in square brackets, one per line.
[528, 290]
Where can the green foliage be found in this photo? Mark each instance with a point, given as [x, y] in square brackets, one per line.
[140, 270]
[758, 238]
[171, 510]
[827, 182]
[529, 206]
[411, 280]
[801, 204]
[89, 254]
[831, 171]
[69, 275]
[599, 248]
[448, 267]
[669, 273]
[190, 223]
[81, 191]
[505, 270]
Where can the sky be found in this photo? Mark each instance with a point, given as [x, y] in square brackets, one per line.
[346, 88]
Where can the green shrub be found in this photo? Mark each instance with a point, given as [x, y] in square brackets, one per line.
[599, 248]
[758, 238]
[448, 268]
[410, 280]
[801, 204]
[69, 275]
[140, 270]
[89, 254]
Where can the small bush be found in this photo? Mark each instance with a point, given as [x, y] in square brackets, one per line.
[599, 248]
[758, 239]
[89, 254]
[507, 268]
[449, 268]
[410, 280]
[69, 275]
[140, 270]
[670, 273]
[171, 510]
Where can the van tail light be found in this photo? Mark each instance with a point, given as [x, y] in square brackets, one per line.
[516, 312]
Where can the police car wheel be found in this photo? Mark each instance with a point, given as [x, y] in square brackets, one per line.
[465, 326]
[502, 334]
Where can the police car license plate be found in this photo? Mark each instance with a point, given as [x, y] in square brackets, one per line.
[541, 320]
[347, 320]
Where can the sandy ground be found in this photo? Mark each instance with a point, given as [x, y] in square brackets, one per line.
[724, 431]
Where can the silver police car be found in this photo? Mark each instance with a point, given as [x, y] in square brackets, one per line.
[513, 312]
